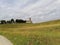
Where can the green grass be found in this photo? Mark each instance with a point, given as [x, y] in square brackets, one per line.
[47, 33]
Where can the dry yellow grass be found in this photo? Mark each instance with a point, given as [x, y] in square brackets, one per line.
[32, 34]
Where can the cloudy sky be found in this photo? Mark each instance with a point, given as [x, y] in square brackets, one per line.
[38, 10]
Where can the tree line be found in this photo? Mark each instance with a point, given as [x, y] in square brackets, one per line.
[12, 21]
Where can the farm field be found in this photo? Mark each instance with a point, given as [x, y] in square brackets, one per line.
[47, 33]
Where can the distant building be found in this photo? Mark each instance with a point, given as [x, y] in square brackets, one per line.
[29, 21]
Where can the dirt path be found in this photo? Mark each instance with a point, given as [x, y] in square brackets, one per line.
[4, 41]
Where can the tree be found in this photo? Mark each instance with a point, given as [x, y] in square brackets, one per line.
[12, 20]
[20, 21]
[3, 22]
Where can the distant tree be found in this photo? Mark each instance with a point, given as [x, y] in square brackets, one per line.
[12, 20]
[3, 22]
[9, 22]
[20, 21]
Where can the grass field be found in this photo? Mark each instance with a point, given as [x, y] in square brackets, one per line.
[47, 33]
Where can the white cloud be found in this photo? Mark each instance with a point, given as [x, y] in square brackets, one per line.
[39, 10]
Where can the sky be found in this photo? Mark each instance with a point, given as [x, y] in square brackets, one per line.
[38, 10]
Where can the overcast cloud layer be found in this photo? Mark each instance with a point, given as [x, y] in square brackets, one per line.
[38, 10]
